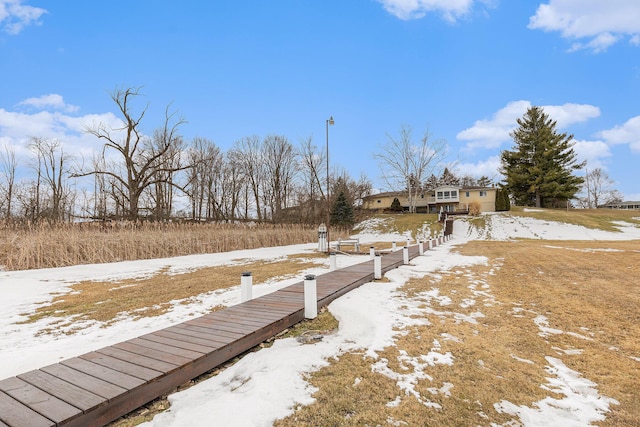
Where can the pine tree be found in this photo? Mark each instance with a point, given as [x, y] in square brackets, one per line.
[342, 212]
[395, 205]
[502, 200]
[539, 172]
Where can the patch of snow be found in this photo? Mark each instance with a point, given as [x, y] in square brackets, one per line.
[581, 406]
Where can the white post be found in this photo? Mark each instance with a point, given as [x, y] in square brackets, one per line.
[393, 246]
[377, 267]
[322, 243]
[332, 261]
[310, 297]
[408, 241]
[430, 243]
[421, 247]
[405, 255]
[372, 252]
[246, 286]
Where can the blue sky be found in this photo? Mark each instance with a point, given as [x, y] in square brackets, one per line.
[463, 69]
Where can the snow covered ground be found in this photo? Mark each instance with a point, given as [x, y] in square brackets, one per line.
[265, 385]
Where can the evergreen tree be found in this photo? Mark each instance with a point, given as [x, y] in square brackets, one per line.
[502, 200]
[395, 205]
[448, 178]
[539, 172]
[342, 211]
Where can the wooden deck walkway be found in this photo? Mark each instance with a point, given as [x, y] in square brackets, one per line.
[98, 387]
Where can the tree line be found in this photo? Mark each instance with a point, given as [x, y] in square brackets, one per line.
[138, 176]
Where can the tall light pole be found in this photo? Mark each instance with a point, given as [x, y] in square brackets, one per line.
[328, 122]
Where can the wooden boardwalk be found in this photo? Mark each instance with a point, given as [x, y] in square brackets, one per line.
[98, 387]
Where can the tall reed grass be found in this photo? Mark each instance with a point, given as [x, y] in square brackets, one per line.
[44, 246]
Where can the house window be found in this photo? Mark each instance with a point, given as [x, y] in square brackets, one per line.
[439, 195]
[454, 194]
[446, 195]
[483, 193]
[467, 194]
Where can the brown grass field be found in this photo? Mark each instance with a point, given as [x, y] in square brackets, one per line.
[587, 290]
[47, 246]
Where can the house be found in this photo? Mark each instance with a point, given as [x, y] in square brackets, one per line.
[621, 205]
[448, 198]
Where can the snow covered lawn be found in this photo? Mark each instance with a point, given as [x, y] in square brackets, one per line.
[384, 324]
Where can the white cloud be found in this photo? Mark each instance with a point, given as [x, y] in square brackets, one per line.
[488, 168]
[601, 23]
[493, 132]
[14, 15]
[451, 10]
[52, 100]
[628, 133]
[594, 152]
[18, 127]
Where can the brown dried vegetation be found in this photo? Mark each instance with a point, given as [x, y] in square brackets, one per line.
[587, 290]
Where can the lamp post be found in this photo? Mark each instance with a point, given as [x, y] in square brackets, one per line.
[328, 122]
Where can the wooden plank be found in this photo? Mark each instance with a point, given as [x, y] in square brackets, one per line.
[152, 353]
[204, 333]
[139, 359]
[168, 348]
[104, 373]
[250, 312]
[85, 381]
[39, 401]
[222, 326]
[124, 366]
[14, 413]
[237, 318]
[186, 345]
[189, 337]
[70, 393]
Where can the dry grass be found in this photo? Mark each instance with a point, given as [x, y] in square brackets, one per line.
[106, 302]
[63, 245]
[413, 223]
[602, 219]
[585, 289]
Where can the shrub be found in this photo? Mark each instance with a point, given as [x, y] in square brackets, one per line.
[474, 208]
[396, 206]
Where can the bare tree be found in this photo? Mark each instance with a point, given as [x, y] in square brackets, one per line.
[250, 159]
[205, 159]
[404, 163]
[142, 167]
[598, 189]
[8, 166]
[312, 161]
[53, 170]
[280, 164]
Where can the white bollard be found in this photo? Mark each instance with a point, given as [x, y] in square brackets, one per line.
[420, 247]
[377, 267]
[430, 244]
[393, 246]
[372, 252]
[332, 261]
[439, 240]
[408, 241]
[310, 297]
[405, 255]
[246, 286]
